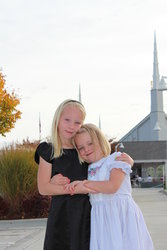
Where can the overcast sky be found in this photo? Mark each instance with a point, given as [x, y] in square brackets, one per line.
[48, 48]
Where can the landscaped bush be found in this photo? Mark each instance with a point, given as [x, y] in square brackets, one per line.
[18, 185]
[36, 206]
[4, 208]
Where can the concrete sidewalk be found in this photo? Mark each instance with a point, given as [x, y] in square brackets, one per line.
[153, 203]
[29, 234]
[22, 234]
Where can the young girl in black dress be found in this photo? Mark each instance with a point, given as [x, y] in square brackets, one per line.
[68, 224]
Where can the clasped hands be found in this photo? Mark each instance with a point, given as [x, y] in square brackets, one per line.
[75, 187]
[79, 187]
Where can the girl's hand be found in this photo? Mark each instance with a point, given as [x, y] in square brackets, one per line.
[126, 158]
[78, 187]
[71, 186]
[59, 179]
[81, 188]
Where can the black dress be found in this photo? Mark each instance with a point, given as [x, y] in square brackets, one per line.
[68, 224]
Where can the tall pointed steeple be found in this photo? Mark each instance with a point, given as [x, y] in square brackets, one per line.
[156, 94]
[99, 122]
[157, 115]
[156, 78]
[39, 127]
[80, 99]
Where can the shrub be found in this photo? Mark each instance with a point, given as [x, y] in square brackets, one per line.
[4, 209]
[36, 206]
[18, 174]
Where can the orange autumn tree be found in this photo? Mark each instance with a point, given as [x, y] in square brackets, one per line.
[8, 112]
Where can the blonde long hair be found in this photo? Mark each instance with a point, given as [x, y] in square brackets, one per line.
[96, 135]
[55, 137]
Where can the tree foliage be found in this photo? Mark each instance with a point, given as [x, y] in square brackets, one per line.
[8, 112]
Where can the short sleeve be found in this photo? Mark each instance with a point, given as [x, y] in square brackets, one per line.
[112, 163]
[45, 151]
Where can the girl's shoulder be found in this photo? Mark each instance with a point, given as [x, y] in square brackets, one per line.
[112, 157]
[113, 163]
[44, 150]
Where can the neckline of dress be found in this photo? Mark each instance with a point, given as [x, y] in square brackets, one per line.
[99, 162]
[102, 160]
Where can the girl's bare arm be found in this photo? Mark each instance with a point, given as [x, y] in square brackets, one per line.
[110, 186]
[45, 186]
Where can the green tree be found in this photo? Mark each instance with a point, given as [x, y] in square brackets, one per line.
[8, 112]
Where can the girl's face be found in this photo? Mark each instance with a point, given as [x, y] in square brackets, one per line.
[70, 122]
[89, 150]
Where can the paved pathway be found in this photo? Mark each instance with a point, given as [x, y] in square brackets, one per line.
[29, 234]
[22, 234]
[153, 203]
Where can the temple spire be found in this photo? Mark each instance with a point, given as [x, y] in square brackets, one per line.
[80, 99]
[39, 127]
[155, 66]
[99, 122]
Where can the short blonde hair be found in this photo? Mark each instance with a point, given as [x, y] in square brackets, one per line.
[55, 138]
[96, 135]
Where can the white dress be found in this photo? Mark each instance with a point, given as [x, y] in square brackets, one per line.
[117, 222]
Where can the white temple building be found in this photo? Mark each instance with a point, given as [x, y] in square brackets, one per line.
[154, 126]
[147, 141]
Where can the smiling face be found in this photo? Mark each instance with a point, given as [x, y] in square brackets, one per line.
[70, 122]
[88, 148]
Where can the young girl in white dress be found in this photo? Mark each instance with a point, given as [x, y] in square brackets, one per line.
[117, 222]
